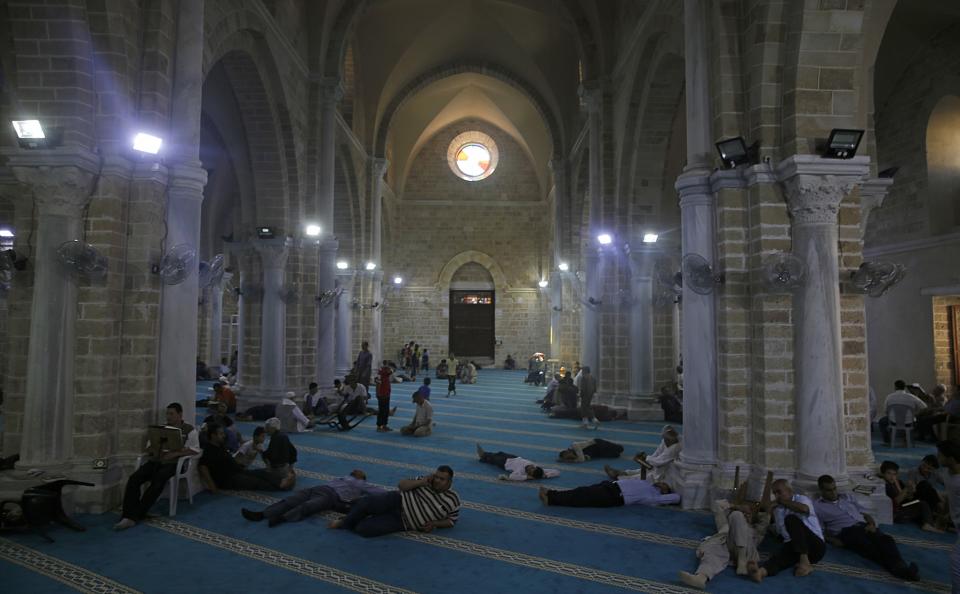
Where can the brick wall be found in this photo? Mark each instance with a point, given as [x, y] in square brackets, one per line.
[943, 339]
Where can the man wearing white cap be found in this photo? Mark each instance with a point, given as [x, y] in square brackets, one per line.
[660, 464]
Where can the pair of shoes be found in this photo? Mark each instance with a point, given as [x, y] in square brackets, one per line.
[253, 516]
[123, 524]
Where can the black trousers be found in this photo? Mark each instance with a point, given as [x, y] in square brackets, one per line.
[383, 410]
[451, 382]
[802, 542]
[602, 448]
[497, 459]
[920, 513]
[157, 474]
[304, 503]
[258, 479]
[605, 494]
[876, 546]
[375, 515]
[928, 493]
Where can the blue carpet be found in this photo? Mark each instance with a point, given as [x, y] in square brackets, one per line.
[506, 540]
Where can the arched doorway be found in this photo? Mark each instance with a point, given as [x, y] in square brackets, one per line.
[472, 328]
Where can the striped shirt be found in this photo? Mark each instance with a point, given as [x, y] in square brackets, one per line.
[423, 504]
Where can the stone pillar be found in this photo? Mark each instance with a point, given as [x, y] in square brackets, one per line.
[344, 315]
[326, 326]
[641, 321]
[273, 257]
[378, 168]
[556, 307]
[592, 279]
[814, 189]
[176, 365]
[873, 191]
[60, 195]
[376, 316]
[241, 323]
[215, 348]
[561, 198]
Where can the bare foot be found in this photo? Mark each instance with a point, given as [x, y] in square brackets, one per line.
[756, 572]
[612, 472]
[480, 451]
[288, 481]
[335, 524]
[542, 493]
[393, 411]
[802, 569]
[931, 528]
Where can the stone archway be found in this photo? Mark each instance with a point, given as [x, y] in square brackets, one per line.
[451, 267]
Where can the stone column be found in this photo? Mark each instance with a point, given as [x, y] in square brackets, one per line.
[378, 168]
[241, 323]
[814, 189]
[60, 195]
[873, 191]
[344, 315]
[592, 279]
[273, 257]
[326, 325]
[215, 348]
[558, 166]
[641, 321]
[376, 316]
[556, 307]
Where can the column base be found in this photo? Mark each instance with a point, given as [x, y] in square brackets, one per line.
[255, 396]
[106, 494]
[636, 407]
[696, 484]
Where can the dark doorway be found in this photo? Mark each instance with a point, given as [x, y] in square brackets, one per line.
[472, 323]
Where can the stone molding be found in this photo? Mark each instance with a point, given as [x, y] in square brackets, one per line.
[331, 91]
[816, 199]
[873, 191]
[454, 264]
[273, 253]
[912, 245]
[59, 191]
[187, 180]
[591, 96]
[642, 260]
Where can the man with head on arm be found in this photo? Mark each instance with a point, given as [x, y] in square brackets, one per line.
[520, 469]
[797, 523]
[846, 524]
[581, 451]
[336, 495]
[633, 491]
[157, 471]
[421, 504]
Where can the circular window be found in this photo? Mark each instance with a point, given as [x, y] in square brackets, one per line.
[472, 156]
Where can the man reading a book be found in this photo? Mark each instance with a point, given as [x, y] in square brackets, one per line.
[157, 470]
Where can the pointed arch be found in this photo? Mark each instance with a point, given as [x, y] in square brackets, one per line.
[454, 264]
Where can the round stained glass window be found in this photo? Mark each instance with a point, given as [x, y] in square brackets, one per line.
[472, 156]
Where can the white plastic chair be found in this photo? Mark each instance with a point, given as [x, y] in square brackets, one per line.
[187, 470]
[901, 419]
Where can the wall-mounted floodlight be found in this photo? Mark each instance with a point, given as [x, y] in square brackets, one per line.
[543, 283]
[342, 265]
[28, 129]
[398, 280]
[370, 266]
[147, 143]
[312, 230]
[733, 152]
[265, 232]
[604, 239]
[842, 143]
[563, 266]
[650, 237]
[6, 233]
[31, 134]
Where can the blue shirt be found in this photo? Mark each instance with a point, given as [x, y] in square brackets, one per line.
[425, 390]
[350, 488]
[837, 515]
[642, 492]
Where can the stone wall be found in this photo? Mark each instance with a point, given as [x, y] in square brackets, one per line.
[944, 337]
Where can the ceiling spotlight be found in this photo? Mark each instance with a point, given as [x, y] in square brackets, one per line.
[147, 143]
[398, 280]
[842, 143]
[563, 266]
[312, 230]
[342, 265]
[650, 237]
[6, 233]
[604, 239]
[370, 266]
[28, 129]
[543, 283]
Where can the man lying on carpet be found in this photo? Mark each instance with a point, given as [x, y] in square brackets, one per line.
[220, 470]
[798, 524]
[633, 491]
[846, 524]
[421, 504]
[520, 469]
[660, 464]
[581, 451]
[740, 529]
[336, 495]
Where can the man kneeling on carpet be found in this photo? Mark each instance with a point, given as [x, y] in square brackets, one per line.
[422, 423]
[220, 470]
[337, 495]
[634, 491]
[421, 504]
[520, 469]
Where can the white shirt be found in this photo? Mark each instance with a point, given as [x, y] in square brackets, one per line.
[247, 453]
[518, 469]
[809, 519]
[424, 415]
[301, 420]
[904, 398]
[953, 495]
[576, 378]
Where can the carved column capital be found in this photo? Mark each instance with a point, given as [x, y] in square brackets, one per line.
[642, 261]
[873, 192]
[273, 254]
[378, 167]
[331, 91]
[591, 96]
[816, 198]
[63, 191]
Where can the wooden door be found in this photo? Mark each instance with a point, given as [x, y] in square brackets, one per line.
[472, 331]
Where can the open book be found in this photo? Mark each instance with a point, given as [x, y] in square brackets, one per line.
[162, 439]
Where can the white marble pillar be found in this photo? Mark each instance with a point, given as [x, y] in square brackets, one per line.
[176, 365]
[60, 195]
[556, 308]
[376, 317]
[814, 188]
[273, 257]
[242, 276]
[378, 167]
[344, 316]
[641, 320]
[592, 277]
[326, 324]
[215, 346]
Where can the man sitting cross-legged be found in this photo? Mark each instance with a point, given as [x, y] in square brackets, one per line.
[740, 529]
[220, 470]
[336, 495]
[422, 423]
[581, 451]
[634, 491]
[799, 526]
[520, 469]
[847, 525]
[660, 464]
[421, 504]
